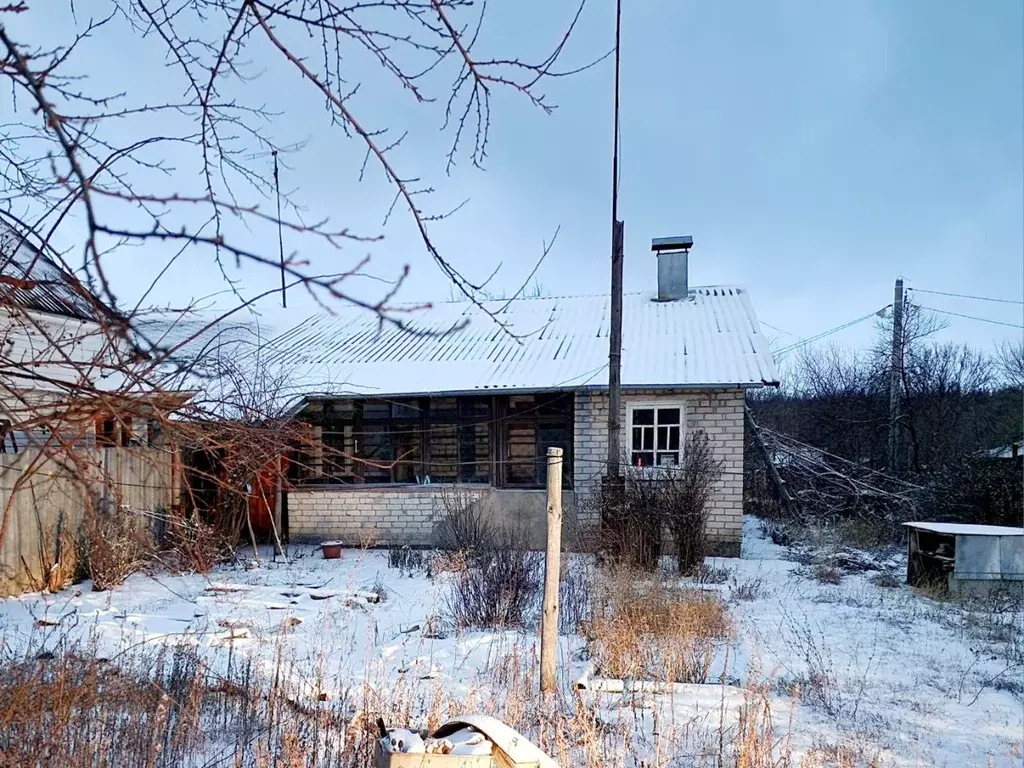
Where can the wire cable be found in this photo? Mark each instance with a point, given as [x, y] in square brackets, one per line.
[970, 317]
[830, 331]
[967, 296]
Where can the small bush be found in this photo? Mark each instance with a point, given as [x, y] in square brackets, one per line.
[462, 526]
[885, 580]
[499, 588]
[649, 630]
[750, 589]
[574, 595]
[709, 574]
[117, 544]
[407, 560]
[827, 574]
[199, 546]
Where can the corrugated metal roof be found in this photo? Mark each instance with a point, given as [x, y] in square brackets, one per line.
[38, 282]
[711, 340]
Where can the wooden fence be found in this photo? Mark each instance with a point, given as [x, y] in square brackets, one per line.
[43, 501]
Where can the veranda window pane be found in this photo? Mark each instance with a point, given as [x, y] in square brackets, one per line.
[648, 439]
[673, 439]
[475, 453]
[376, 409]
[638, 437]
[662, 438]
[444, 457]
[522, 452]
[407, 454]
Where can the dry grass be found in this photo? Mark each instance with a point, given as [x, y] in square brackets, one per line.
[649, 630]
[168, 708]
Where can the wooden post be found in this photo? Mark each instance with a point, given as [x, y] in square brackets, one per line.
[552, 575]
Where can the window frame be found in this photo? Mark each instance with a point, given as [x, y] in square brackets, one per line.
[538, 417]
[656, 405]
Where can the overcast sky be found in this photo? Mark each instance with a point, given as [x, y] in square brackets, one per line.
[814, 151]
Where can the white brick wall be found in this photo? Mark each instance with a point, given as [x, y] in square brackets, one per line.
[718, 413]
[367, 516]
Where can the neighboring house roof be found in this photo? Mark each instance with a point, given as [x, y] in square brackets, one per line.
[711, 340]
[31, 279]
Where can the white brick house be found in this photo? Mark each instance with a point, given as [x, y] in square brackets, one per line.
[475, 398]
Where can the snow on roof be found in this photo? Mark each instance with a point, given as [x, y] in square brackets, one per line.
[36, 281]
[964, 529]
[710, 340]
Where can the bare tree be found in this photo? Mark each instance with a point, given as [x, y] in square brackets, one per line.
[187, 166]
[1010, 362]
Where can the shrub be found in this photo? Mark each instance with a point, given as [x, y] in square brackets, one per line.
[406, 560]
[652, 499]
[886, 580]
[199, 546]
[117, 545]
[750, 589]
[462, 526]
[827, 574]
[499, 588]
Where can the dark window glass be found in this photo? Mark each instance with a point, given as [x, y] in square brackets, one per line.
[444, 456]
[643, 459]
[376, 409]
[475, 407]
[522, 404]
[638, 438]
[643, 416]
[443, 407]
[522, 454]
[668, 415]
[475, 453]
[405, 409]
[376, 450]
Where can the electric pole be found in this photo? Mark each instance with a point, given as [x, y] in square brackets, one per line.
[896, 377]
[615, 331]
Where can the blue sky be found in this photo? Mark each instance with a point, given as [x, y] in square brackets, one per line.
[815, 151]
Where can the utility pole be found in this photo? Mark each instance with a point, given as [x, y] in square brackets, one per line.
[896, 377]
[615, 335]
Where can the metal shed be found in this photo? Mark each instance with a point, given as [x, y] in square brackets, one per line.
[965, 558]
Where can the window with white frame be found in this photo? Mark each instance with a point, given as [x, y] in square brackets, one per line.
[656, 434]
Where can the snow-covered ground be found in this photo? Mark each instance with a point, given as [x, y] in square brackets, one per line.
[857, 671]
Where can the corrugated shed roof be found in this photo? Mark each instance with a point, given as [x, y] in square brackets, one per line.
[37, 281]
[710, 340]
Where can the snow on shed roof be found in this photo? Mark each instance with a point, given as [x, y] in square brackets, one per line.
[711, 340]
[967, 529]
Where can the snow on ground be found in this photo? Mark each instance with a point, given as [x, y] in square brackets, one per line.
[855, 669]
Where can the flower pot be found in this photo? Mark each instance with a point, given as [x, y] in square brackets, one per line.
[331, 549]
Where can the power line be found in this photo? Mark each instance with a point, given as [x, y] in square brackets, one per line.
[970, 317]
[830, 331]
[968, 296]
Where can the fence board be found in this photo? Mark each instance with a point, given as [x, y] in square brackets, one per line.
[45, 502]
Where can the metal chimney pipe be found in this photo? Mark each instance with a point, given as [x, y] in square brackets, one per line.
[673, 268]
